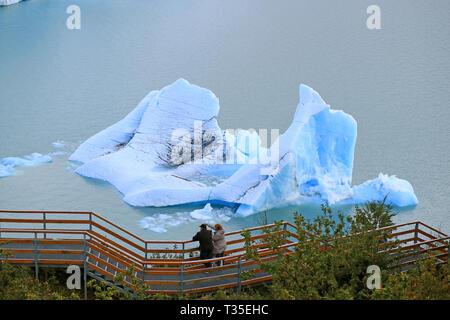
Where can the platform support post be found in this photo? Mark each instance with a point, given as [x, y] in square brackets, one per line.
[36, 266]
[239, 276]
[182, 253]
[448, 253]
[44, 216]
[85, 266]
[416, 233]
[182, 279]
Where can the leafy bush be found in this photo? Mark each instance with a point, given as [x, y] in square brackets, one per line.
[332, 255]
[18, 283]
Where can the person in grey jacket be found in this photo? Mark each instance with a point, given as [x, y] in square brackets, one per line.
[206, 244]
[219, 242]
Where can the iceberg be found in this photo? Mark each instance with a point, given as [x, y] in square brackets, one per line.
[170, 150]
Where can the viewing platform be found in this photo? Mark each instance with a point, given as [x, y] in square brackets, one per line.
[103, 250]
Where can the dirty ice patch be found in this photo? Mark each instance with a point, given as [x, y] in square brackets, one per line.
[160, 223]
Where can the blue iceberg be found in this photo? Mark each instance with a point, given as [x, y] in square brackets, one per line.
[170, 150]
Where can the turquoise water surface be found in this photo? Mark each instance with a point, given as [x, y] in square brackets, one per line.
[61, 84]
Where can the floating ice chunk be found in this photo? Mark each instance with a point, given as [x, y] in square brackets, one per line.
[202, 214]
[399, 192]
[162, 222]
[6, 171]
[58, 153]
[33, 159]
[58, 144]
[145, 224]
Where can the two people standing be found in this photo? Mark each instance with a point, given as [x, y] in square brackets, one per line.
[211, 245]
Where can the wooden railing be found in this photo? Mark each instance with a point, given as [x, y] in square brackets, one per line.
[159, 263]
[169, 267]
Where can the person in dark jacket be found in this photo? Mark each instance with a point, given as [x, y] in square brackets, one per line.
[204, 236]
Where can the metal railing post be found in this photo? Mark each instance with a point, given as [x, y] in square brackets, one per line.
[146, 249]
[416, 236]
[90, 221]
[416, 233]
[182, 278]
[144, 265]
[182, 254]
[45, 224]
[239, 276]
[36, 267]
[448, 253]
[85, 266]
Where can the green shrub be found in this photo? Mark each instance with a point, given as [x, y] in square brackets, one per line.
[332, 255]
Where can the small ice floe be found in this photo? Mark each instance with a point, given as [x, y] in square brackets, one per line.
[7, 164]
[6, 171]
[161, 222]
[31, 160]
[58, 144]
[202, 214]
[58, 153]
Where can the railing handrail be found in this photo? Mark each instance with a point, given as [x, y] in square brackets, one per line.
[431, 228]
[140, 259]
[142, 249]
[48, 211]
[130, 233]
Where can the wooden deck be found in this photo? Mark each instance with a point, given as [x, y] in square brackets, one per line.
[103, 250]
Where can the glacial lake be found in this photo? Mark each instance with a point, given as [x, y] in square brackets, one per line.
[66, 85]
